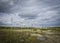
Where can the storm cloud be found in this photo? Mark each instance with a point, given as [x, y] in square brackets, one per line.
[36, 13]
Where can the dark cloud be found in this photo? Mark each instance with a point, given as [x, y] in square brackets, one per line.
[7, 5]
[1, 23]
[46, 12]
[51, 2]
[28, 16]
[4, 7]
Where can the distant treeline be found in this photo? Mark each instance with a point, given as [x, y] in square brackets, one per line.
[53, 28]
[17, 28]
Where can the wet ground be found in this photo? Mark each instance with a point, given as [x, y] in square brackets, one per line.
[20, 36]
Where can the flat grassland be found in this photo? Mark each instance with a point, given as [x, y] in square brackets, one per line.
[29, 35]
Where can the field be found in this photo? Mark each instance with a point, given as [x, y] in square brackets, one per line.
[29, 35]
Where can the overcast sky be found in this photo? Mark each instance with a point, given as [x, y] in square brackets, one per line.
[30, 13]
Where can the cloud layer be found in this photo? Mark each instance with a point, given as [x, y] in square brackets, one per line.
[36, 13]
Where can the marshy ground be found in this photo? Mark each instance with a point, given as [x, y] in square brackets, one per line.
[29, 35]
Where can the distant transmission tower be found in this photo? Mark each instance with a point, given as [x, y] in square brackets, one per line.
[11, 22]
